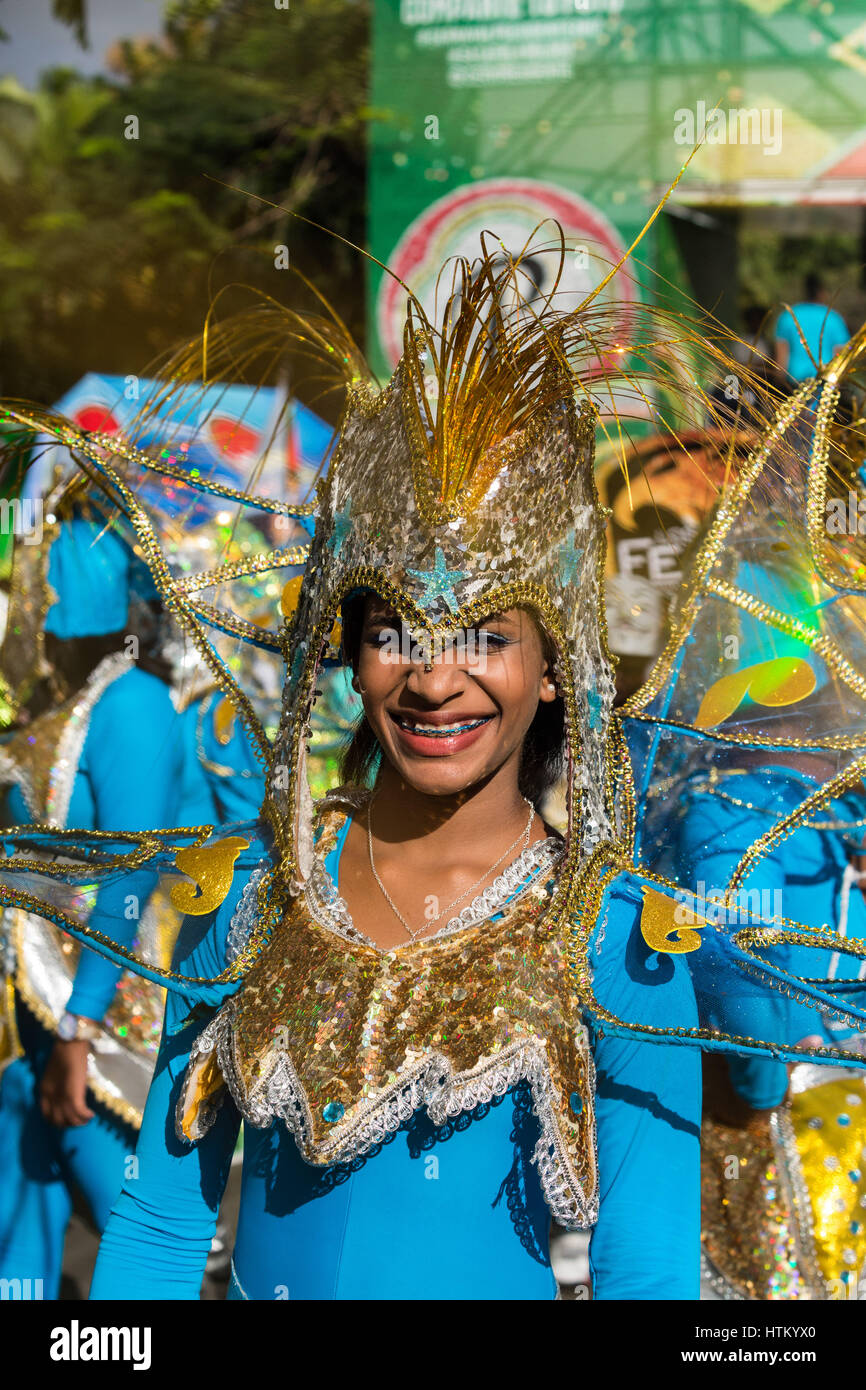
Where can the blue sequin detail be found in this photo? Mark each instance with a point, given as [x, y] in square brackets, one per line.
[333, 1111]
[438, 582]
[575, 1100]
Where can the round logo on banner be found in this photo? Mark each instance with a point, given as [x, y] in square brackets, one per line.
[509, 210]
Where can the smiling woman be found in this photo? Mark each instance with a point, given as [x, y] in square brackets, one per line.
[409, 947]
[463, 727]
[506, 657]
[415, 968]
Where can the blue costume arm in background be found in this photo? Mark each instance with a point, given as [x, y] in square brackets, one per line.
[158, 1236]
[132, 760]
[714, 836]
[646, 1244]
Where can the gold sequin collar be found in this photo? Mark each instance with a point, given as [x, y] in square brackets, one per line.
[344, 1042]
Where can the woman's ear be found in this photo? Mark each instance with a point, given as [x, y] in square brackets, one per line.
[548, 691]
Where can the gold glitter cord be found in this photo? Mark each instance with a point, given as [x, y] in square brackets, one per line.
[258, 564]
[838, 742]
[600, 873]
[824, 646]
[843, 780]
[233, 626]
[712, 780]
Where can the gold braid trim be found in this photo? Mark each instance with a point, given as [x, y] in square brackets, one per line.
[842, 742]
[824, 646]
[816, 477]
[598, 874]
[726, 515]
[235, 569]
[820, 797]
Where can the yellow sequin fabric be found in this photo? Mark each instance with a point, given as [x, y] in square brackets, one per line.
[344, 1041]
[825, 1133]
[784, 1201]
[754, 1241]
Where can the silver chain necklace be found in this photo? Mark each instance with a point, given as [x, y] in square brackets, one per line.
[524, 836]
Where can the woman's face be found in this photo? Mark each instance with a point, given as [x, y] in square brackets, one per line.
[447, 728]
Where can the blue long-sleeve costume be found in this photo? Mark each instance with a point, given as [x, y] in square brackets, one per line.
[450, 1212]
[222, 783]
[126, 780]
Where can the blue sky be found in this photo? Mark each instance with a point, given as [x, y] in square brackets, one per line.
[37, 41]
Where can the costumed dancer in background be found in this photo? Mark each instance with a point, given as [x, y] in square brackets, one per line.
[93, 686]
[537, 1035]
[768, 814]
[104, 754]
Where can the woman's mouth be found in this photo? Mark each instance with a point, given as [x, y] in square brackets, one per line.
[433, 739]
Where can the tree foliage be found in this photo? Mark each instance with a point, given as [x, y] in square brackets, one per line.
[120, 209]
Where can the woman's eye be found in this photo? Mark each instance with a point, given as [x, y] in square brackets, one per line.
[492, 639]
[384, 639]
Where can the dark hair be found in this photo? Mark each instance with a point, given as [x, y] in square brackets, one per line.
[813, 284]
[542, 759]
[76, 657]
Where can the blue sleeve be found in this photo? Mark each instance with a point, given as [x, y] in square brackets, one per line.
[646, 1243]
[132, 758]
[157, 1239]
[196, 804]
[239, 796]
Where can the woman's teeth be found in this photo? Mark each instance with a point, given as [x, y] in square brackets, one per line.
[413, 726]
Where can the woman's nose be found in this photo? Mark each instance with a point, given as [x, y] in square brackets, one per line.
[443, 678]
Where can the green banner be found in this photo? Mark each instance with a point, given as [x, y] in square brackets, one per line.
[498, 113]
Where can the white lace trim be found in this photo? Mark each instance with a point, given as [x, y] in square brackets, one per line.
[245, 916]
[330, 910]
[427, 1081]
[70, 745]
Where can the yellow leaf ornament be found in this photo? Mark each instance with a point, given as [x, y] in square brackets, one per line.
[783, 681]
[663, 930]
[211, 868]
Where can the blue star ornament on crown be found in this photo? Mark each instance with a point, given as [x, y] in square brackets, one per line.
[437, 584]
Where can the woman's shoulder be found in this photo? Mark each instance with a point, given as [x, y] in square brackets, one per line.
[136, 691]
[629, 957]
[207, 944]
